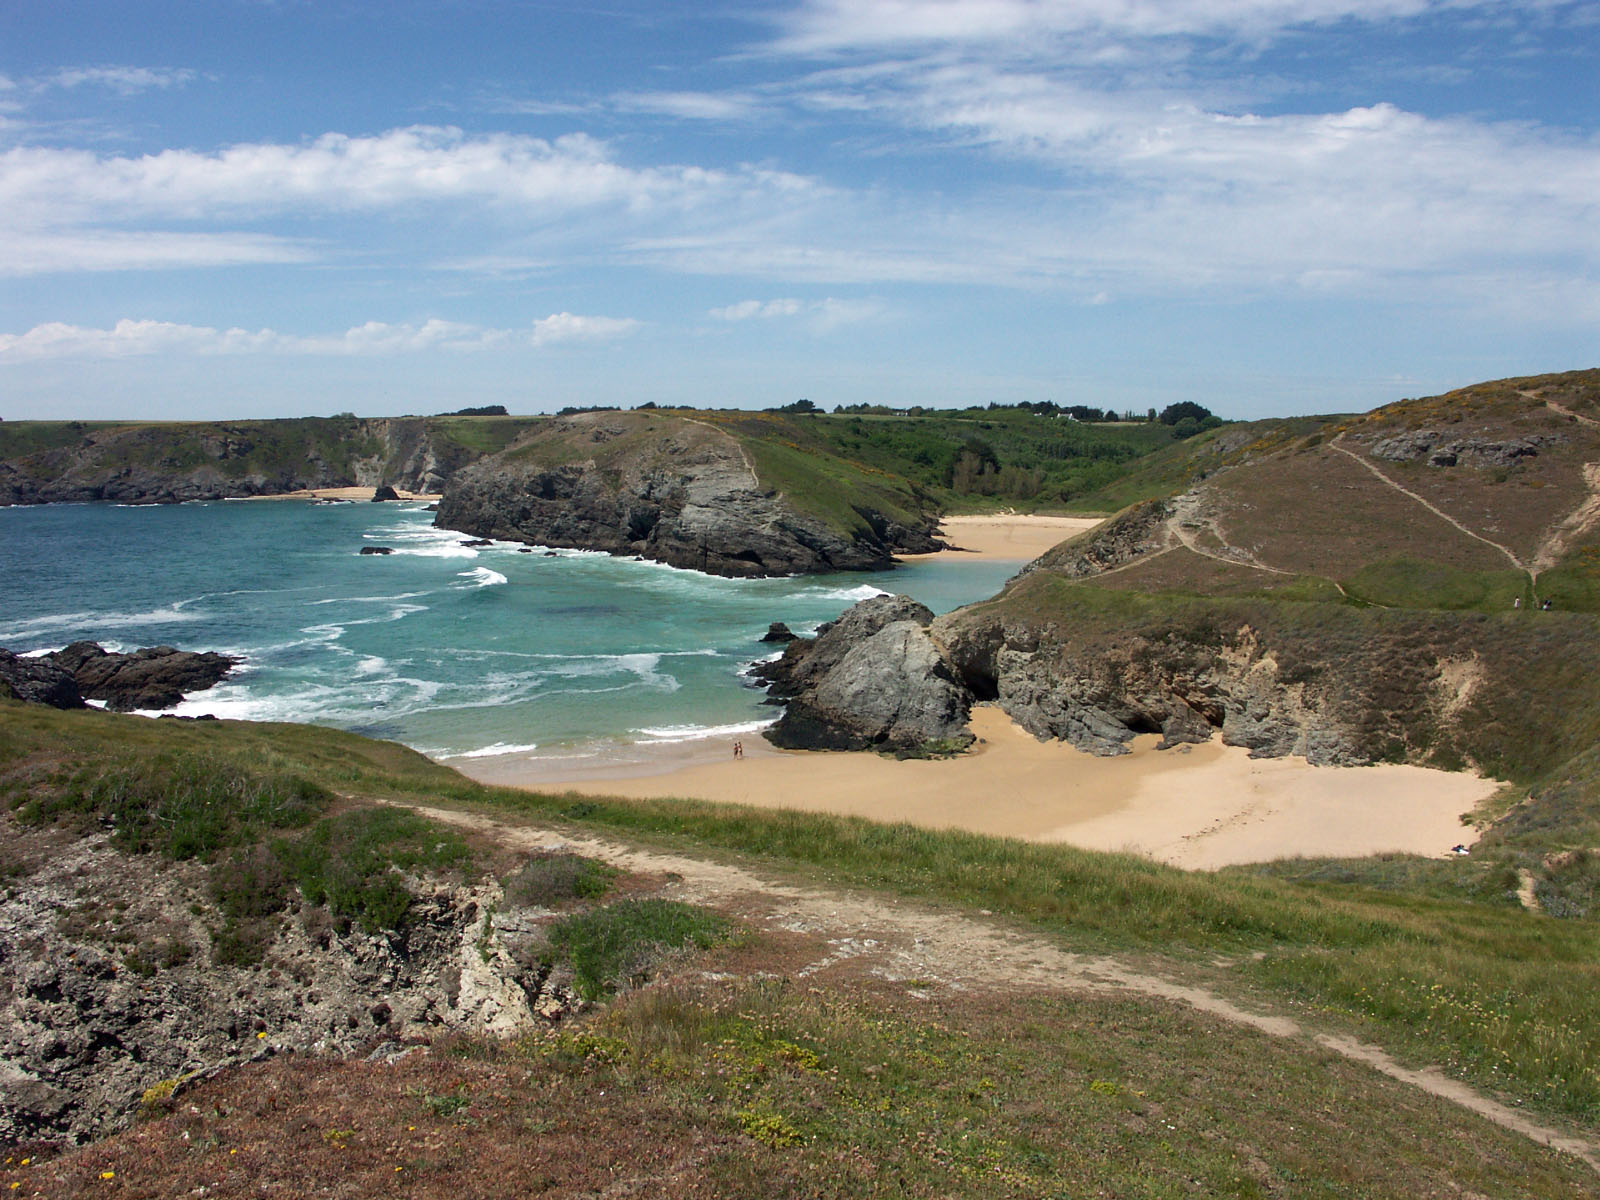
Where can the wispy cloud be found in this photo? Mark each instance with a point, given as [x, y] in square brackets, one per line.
[821, 316]
[839, 25]
[75, 204]
[124, 80]
[694, 106]
[39, 252]
[130, 338]
[747, 310]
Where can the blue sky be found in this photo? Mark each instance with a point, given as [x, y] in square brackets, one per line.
[229, 208]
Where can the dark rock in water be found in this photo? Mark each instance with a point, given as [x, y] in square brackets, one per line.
[385, 492]
[38, 681]
[432, 507]
[550, 554]
[525, 550]
[779, 632]
[156, 677]
[478, 542]
[377, 549]
[873, 680]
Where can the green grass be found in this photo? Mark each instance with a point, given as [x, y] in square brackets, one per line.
[1377, 957]
[607, 948]
[238, 801]
[1407, 583]
[554, 878]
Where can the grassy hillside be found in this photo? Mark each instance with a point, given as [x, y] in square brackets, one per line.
[970, 459]
[1432, 960]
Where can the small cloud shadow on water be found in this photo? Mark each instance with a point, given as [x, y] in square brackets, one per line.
[386, 730]
[585, 610]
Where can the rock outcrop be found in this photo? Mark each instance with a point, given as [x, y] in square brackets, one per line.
[873, 680]
[1434, 448]
[114, 994]
[670, 490]
[153, 678]
[37, 680]
[171, 463]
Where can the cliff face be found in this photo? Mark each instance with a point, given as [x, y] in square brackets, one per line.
[669, 489]
[163, 463]
[1350, 590]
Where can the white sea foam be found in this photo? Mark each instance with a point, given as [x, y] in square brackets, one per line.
[694, 733]
[849, 595]
[87, 623]
[487, 751]
[482, 577]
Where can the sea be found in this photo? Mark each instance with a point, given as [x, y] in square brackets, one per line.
[460, 652]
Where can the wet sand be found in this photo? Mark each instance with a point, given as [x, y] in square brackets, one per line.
[1198, 807]
[1007, 537]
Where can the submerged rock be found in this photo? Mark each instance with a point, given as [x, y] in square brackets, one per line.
[377, 550]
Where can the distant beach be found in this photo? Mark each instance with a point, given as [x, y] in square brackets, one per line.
[349, 493]
[1201, 807]
[1005, 537]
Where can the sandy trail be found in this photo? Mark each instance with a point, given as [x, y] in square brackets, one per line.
[905, 941]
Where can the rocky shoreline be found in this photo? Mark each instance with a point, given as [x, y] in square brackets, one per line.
[156, 677]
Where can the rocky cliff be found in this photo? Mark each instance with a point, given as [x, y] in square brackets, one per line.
[113, 992]
[669, 489]
[44, 462]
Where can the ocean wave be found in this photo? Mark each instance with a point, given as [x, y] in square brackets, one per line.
[369, 599]
[483, 577]
[486, 751]
[693, 733]
[422, 541]
[84, 624]
[849, 595]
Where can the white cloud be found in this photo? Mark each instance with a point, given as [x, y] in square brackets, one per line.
[694, 106]
[567, 327]
[839, 25]
[35, 252]
[337, 172]
[125, 80]
[138, 338]
[747, 309]
[822, 316]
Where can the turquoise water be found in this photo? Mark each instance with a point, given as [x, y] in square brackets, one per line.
[454, 650]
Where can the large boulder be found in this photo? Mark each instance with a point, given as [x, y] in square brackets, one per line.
[38, 681]
[874, 679]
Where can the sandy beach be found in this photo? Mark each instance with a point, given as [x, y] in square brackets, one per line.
[1198, 807]
[1005, 537]
[347, 493]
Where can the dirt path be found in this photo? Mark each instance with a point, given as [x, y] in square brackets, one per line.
[1434, 509]
[903, 941]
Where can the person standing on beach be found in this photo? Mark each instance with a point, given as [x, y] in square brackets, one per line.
[738, 749]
